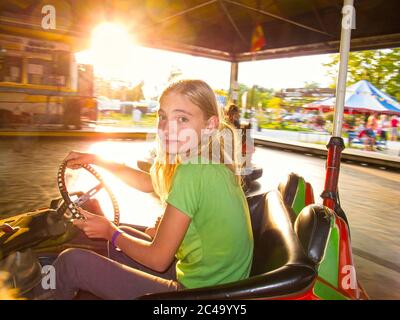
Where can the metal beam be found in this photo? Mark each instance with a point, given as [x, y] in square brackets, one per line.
[318, 16]
[181, 13]
[357, 44]
[278, 17]
[232, 22]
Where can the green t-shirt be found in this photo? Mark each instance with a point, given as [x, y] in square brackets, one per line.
[218, 245]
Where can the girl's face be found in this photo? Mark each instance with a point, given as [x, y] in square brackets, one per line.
[180, 123]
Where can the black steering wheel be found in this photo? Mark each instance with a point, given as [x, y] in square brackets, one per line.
[71, 207]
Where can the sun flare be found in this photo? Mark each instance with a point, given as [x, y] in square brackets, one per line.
[111, 48]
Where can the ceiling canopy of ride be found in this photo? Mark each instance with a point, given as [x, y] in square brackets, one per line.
[220, 29]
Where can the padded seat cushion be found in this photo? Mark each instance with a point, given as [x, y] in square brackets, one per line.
[313, 227]
[296, 194]
[275, 242]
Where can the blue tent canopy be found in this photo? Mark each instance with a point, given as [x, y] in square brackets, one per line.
[362, 97]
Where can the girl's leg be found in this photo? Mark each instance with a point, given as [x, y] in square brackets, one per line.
[78, 269]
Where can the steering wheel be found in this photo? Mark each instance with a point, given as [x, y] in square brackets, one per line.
[71, 207]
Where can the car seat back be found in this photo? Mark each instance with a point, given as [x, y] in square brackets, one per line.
[296, 194]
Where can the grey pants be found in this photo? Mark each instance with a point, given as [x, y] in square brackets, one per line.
[116, 277]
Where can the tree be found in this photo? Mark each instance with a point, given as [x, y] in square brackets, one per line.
[136, 93]
[380, 67]
[311, 85]
[275, 103]
[221, 92]
[256, 95]
[261, 96]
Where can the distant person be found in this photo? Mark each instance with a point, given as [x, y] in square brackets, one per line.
[247, 149]
[137, 115]
[383, 125]
[370, 132]
[360, 125]
[234, 116]
[364, 134]
[394, 123]
[372, 122]
[353, 129]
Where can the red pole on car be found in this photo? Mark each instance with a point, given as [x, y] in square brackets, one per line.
[336, 144]
[335, 147]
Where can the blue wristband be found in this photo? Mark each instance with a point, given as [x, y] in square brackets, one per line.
[115, 236]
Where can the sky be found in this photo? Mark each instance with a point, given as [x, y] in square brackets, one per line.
[115, 56]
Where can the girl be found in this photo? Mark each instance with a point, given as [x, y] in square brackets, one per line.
[204, 237]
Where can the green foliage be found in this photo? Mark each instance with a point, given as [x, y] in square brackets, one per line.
[221, 92]
[329, 116]
[256, 96]
[380, 67]
[311, 85]
[282, 125]
[348, 119]
[148, 120]
[275, 103]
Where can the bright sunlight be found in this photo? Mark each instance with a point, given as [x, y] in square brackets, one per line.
[112, 51]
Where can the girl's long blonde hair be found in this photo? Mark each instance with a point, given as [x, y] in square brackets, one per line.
[200, 94]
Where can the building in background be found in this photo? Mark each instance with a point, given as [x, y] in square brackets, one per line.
[40, 80]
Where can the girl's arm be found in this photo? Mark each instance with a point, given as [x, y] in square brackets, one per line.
[151, 231]
[158, 254]
[135, 178]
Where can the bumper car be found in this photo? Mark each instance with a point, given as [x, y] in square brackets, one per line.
[302, 250]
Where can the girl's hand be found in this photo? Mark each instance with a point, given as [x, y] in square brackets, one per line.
[95, 226]
[75, 159]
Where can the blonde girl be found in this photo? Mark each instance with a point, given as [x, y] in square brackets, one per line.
[204, 237]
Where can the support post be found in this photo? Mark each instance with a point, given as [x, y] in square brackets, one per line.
[233, 84]
[336, 144]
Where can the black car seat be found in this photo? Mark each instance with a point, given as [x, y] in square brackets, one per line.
[281, 267]
[318, 224]
[296, 194]
[312, 227]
